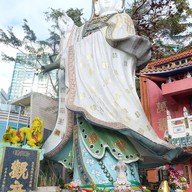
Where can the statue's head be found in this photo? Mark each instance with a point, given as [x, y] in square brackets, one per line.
[105, 7]
[37, 125]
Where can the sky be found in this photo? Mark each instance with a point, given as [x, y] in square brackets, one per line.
[12, 13]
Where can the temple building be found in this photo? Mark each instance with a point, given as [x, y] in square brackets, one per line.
[166, 96]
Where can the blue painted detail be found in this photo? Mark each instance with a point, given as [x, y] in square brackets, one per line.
[64, 152]
[82, 171]
[76, 176]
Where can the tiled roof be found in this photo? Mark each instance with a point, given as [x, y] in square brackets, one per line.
[170, 67]
[169, 64]
[171, 58]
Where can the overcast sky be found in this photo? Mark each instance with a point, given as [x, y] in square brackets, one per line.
[12, 13]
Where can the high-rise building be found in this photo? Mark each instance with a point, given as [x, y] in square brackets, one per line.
[26, 77]
[3, 97]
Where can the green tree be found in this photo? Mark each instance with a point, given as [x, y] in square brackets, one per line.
[156, 18]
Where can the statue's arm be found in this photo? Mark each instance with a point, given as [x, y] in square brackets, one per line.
[52, 66]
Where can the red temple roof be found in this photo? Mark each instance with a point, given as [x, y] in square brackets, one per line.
[170, 64]
[171, 58]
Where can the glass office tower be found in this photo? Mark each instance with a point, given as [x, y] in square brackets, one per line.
[27, 78]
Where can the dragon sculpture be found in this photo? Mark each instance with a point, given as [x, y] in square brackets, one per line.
[33, 134]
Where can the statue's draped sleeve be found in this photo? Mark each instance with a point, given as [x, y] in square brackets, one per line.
[120, 34]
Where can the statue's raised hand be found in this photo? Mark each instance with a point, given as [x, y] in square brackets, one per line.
[65, 23]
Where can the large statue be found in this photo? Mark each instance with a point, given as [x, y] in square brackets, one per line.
[97, 94]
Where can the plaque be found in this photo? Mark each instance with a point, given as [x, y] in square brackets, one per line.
[19, 169]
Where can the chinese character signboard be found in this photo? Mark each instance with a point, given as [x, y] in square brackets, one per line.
[19, 170]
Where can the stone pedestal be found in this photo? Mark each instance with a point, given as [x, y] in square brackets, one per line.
[49, 189]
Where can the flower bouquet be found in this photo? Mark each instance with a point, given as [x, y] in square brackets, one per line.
[176, 180]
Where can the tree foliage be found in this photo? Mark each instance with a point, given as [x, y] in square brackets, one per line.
[29, 33]
[156, 18]
[27, 45]
[53, 15]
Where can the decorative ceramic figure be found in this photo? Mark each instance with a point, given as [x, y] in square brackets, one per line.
[121, 183]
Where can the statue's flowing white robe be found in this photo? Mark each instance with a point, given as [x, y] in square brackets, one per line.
[103, 89]
[100, 85]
